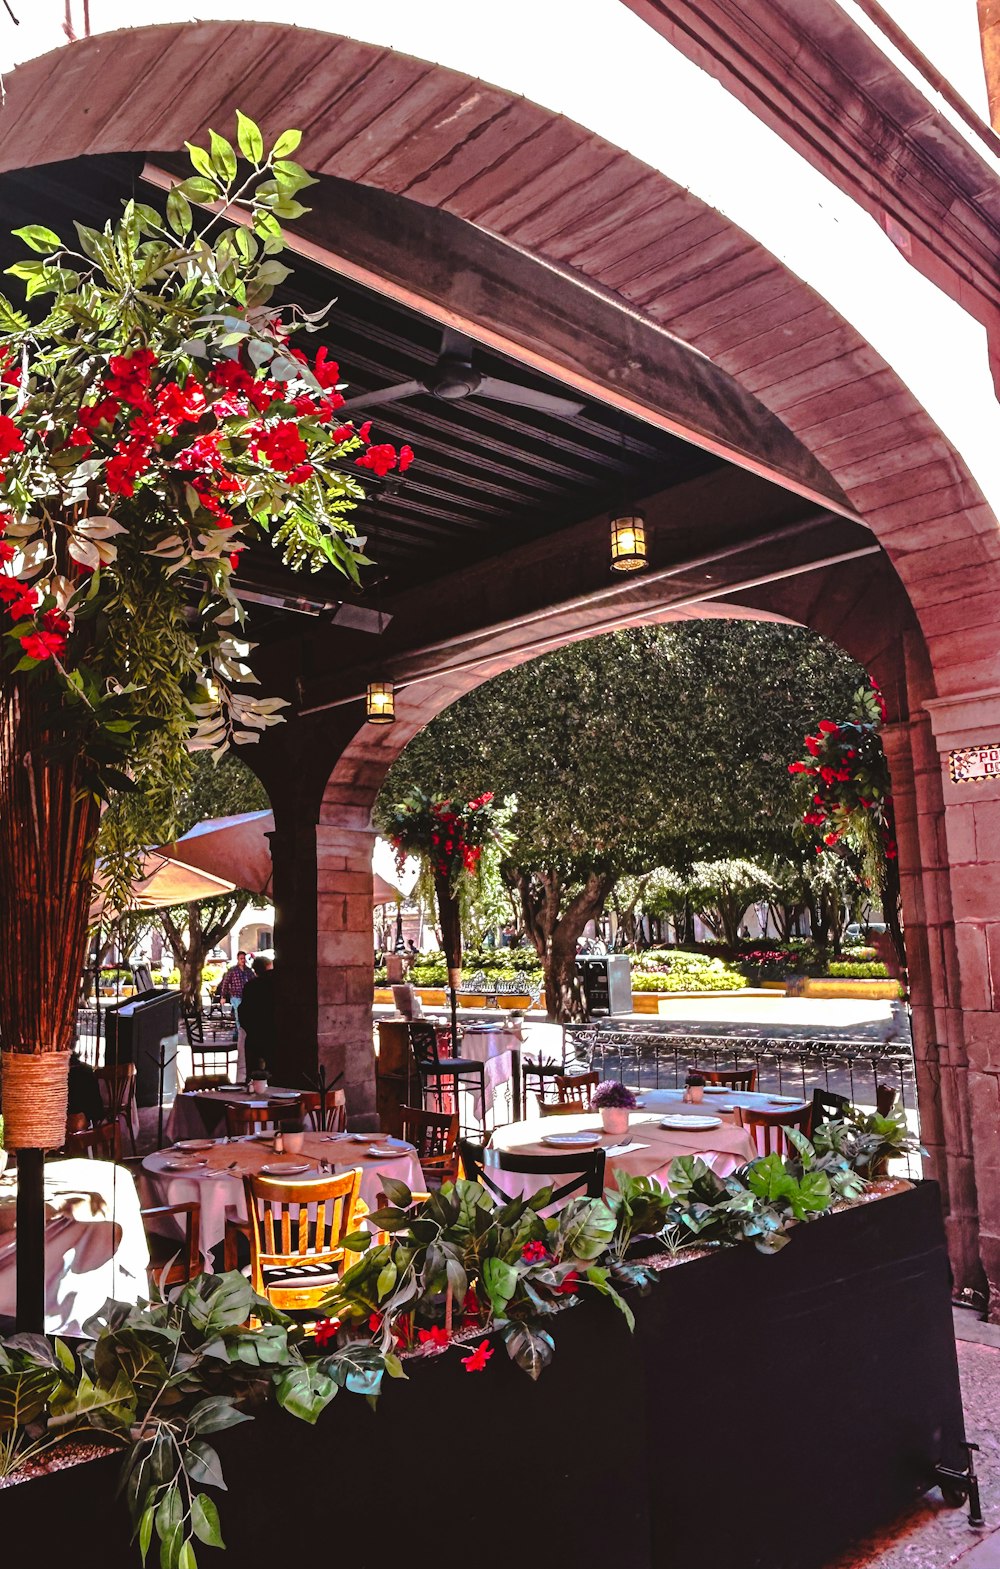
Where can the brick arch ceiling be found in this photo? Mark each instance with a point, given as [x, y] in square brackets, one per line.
[559, 191]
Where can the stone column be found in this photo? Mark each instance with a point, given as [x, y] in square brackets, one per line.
[971, 1015]
[938, 1046]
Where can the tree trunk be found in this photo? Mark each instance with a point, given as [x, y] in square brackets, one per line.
[563, 995]
[202, 937]
[48, 829]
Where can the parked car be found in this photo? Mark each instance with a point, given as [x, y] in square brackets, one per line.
[861, 931]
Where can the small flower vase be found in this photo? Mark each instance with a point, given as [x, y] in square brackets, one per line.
[615, 1119]
[696, 1093]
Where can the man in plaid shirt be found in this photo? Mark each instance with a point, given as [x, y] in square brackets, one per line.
[235, 982]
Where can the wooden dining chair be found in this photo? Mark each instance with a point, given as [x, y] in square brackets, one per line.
[117, 1082]
[773, 1122]
[241, 1120]
[336, 1111]
[538, 1079]
[733, 1078]
[296, 1236]
[434, 1136]
[173, 1262]
[577, 1087]
[441, 1075]
[561, 1108]
[584, 1169]
[828, 1106]
[101, 1141]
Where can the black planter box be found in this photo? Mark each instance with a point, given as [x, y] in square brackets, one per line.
[766, 1413]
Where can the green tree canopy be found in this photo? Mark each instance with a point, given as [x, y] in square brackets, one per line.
[655, 747]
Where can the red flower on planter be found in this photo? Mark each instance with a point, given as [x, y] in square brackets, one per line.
[534, 1252]
[375, 1322]
[569, 1284]
[477, 1360]
[437, 1335]
[326, 1330]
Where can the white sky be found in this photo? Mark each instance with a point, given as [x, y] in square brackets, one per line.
[598, 63]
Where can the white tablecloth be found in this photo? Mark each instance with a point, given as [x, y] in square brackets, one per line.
[672, 1101]
[95, 1245]
[492, 1047]
[220, 1191]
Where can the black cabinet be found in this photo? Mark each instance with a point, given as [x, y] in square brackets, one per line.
[133, 1031]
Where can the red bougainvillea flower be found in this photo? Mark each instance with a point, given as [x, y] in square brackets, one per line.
[375, 1322]
[25, 603]
[405, 458]
[437, 1335]
[282, 446]
[827, 727]
[42, 645]
[569, 1284]
[7, 551]
[477, 1360]
[326, 1330]
[812, 745]
[11, 439]
[534, 1252]
[128, 377]
[380, 458]
[104, 412]
[327, 372]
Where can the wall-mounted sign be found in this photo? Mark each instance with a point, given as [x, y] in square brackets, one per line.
[972, 764]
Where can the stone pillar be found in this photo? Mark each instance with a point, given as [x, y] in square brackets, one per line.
[345, 953]
[938, 1046]
[972, 1011]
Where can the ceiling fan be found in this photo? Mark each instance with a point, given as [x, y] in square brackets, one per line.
[454, 378]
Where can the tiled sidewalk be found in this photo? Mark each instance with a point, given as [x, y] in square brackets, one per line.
[932, 1536]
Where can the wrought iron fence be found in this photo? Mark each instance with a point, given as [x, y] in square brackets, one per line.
[90, 1035]
[660, 1059]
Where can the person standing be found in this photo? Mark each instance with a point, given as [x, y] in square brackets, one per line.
[257, 1019]
[234, 983]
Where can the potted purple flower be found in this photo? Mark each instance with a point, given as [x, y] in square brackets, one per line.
[614, 1101]
[694, 1087]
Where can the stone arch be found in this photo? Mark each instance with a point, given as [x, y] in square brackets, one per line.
[575, 201]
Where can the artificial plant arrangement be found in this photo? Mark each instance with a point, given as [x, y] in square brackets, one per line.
[157, 418]
[453, 1271]
[449, 840]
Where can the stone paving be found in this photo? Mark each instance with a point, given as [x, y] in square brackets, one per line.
[932, 1536]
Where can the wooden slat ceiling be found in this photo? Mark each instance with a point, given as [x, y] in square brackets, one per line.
[487, 477]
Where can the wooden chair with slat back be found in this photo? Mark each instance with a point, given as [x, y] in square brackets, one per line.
[585, 1170]
[734, 1078]
[296, 1235]
[117, 1082]
[561, 1108]
[102, 1141]
[577, 1087]
[538, 1079]
[258, 1119]
[885, 1099]
[172, 1261]
[434, 1136]
[336, 1111]
[771, 1124]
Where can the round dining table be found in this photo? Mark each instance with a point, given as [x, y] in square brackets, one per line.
[214, 1175]
[646, 1150]
[199, 1114]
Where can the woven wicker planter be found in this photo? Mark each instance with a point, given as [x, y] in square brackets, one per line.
[34, 1098]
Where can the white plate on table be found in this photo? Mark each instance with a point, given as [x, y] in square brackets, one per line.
[194, 1144]
[571, 1140]
[186, 1163]
[358, 1138]
[785, 1100]
[718, 1089]
[283, 1094]
[291, 1168]
[679, 1124]
[386, 1152]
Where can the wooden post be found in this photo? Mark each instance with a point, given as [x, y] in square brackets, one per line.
[31, 1242]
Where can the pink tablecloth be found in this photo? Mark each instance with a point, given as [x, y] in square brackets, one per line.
[648, 1154]
[199, 1114]
[218, 1186]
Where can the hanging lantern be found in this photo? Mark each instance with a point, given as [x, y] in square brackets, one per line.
[628, 542]
[380, 703]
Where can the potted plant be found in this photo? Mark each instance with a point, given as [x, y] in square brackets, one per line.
[614, 1101]
[694, 1088]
